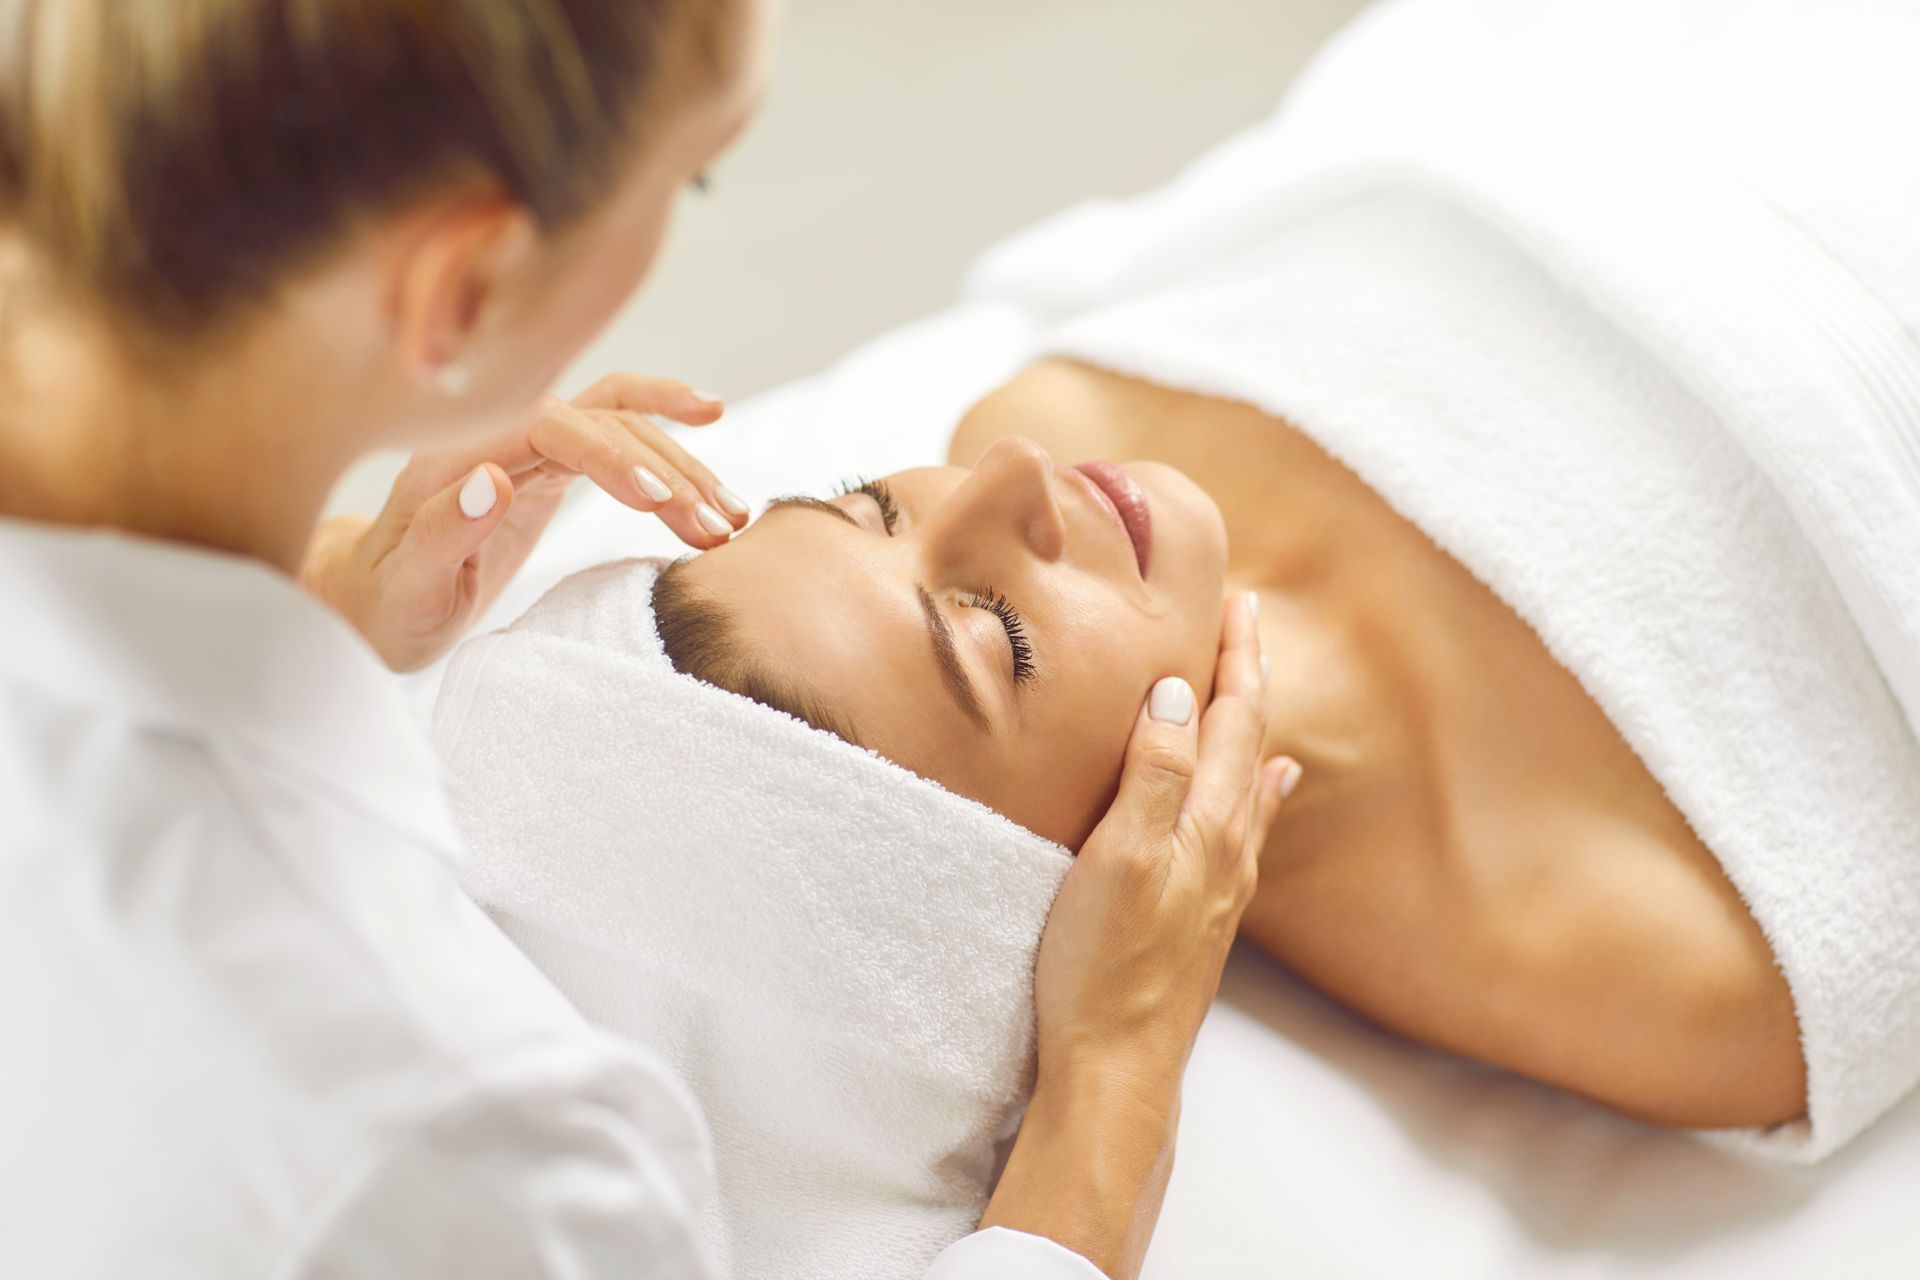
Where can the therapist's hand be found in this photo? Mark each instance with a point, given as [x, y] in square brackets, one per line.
[1131, 959]
[460, 522]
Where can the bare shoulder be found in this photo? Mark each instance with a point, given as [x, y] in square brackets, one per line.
[1672, 1007]
[1528, 893]
[1596, 957]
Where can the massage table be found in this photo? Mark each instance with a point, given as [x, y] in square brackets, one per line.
[1312, 1143]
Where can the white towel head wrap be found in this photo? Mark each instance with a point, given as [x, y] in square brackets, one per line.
[834, 954]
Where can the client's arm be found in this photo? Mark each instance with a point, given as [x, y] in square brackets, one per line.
[1131, 959]
[1635, 975]
[1615, 961]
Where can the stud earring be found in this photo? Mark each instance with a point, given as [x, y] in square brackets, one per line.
[455, 378]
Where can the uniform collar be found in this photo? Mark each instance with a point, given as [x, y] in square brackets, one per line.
[219, 648]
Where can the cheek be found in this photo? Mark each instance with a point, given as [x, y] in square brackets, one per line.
[1199, 648]
[1072, 762]
[577, 299]
[1105, 657]
[1112, 670]
[597, 272]
[1195, 563]
[1066, 787]
[608, 275]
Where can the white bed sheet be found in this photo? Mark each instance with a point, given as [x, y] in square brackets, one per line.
[1312, 1144]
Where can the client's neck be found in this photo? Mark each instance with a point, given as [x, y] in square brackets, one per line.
[1334, 701]
[1340, 590]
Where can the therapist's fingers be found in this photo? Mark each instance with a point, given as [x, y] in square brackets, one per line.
[639, 472]
[637, 393]
[519, 453]
[1237, 672]
[1156, 776]
[1278, 779]
[1233, 729]
[432, 577]
[695, 472]
[636, 400]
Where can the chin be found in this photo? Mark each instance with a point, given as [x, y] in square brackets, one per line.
[1189, 533]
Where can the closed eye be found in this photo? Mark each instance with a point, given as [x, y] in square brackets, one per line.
[988, 599]
[952, 669]
[1016, 628]
[880, 493]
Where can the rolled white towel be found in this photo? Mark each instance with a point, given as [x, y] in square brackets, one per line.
[835, 955]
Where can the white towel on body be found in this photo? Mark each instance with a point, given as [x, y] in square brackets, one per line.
[835, 955]
[1630, 330]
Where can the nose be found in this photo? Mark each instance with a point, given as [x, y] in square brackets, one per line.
[1007, 501]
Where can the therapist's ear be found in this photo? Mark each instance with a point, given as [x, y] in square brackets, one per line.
[450, 281]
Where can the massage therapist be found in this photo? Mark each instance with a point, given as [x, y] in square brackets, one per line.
[249, 1026]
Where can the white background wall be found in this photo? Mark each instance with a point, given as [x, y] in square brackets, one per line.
[900, 138]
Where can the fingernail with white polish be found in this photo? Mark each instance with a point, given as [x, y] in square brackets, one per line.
[707, 397]
[1289, 778]
[652, 485]
[1253, 604]
[1266, 668]
[1171, 701]
[712, 521]
[729, 501]
[477, 495]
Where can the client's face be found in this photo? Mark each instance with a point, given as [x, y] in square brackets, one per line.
[995, 630]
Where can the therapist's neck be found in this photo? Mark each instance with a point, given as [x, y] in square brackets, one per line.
[233, 448]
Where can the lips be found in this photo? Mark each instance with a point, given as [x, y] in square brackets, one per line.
[1126, 504]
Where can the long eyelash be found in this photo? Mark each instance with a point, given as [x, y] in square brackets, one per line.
[996, 604]
[877, 490]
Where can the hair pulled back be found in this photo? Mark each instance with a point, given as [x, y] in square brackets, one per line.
[177, 159]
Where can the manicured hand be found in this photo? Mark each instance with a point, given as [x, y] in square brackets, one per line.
[460, 522]
[1131, 960]
[1133, 950]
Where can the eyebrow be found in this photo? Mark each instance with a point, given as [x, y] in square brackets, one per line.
[946, 653]
[801, 502]
[948, 656]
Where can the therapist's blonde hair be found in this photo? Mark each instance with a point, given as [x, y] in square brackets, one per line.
[175, 159]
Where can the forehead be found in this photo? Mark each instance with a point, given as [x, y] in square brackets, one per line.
[830, 612]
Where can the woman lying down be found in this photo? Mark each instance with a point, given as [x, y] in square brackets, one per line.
[1475, 858]
[1579, 498]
